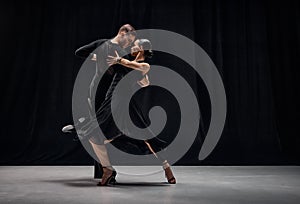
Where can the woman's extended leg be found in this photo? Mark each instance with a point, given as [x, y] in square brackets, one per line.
[166, 166]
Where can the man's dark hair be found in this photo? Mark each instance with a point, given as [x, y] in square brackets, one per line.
[127, 28]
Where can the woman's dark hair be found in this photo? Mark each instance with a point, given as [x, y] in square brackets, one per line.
[147, 47]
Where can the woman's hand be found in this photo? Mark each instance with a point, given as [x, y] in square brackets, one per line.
[111, 60]
[144, 82]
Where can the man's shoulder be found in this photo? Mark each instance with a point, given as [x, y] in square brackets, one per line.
[101, 41]
[112, 47]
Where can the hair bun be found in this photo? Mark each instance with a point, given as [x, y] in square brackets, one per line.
[148, 53]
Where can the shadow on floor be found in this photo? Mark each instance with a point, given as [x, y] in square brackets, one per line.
[141, 184]
[79, 182]
[89, 182]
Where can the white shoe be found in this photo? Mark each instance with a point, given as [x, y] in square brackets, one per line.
[71, 128]
[68, 129]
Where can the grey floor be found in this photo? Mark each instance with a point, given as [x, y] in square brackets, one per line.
[201, 185]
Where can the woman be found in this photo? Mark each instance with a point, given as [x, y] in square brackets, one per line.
[141, 50]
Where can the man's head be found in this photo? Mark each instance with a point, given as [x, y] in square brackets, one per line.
[126, 35]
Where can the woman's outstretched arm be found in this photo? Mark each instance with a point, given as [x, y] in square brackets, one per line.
[141, 66]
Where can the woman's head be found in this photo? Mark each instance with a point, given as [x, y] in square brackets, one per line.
[142, 46]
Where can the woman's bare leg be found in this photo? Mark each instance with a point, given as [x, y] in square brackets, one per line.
[101, 153]
[109, 172]
[166, 166]
[151, 149]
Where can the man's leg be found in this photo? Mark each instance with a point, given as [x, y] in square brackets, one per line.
[98, 172]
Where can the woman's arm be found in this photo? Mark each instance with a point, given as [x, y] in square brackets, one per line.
[141, 66]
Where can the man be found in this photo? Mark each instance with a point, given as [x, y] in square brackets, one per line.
[124, 38]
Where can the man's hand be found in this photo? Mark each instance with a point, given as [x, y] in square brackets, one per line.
[94, 57]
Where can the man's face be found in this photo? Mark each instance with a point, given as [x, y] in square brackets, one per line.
[126, 40]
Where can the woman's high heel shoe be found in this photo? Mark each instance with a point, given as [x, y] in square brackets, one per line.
[108, 178]
[169, 175]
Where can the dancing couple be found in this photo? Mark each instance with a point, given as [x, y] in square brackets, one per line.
[108, 55]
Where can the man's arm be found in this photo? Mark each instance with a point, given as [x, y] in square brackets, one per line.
[86, 51]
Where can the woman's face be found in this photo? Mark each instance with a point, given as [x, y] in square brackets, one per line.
[135, 49]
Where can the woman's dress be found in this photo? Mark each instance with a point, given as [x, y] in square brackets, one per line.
[104, 118]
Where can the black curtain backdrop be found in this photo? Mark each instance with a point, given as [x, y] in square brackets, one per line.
[254, 44]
